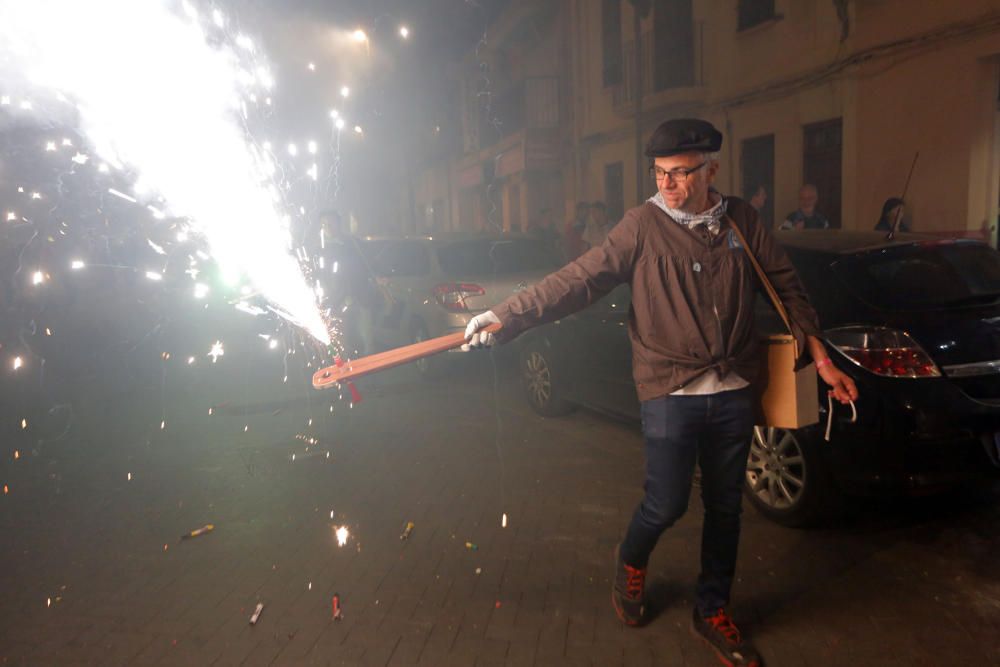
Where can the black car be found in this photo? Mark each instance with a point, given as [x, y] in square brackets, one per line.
[915, 321]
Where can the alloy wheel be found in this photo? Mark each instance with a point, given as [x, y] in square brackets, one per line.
[776, 469]
[538, 378]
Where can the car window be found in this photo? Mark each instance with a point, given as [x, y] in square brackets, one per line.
[811, 267]
[496, 257]
[619, 299]
[397, 258]
[924, 275]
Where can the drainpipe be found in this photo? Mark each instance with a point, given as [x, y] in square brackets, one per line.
[640, 10]
[732, 158]
[637, 28]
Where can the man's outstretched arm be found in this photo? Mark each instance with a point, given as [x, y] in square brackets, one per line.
[571, 288]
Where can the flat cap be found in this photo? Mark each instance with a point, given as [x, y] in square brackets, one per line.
[683, 135]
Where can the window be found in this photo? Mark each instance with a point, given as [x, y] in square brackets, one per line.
[754, 12]
[514, 207]
[438, 224]
[488, 257]
[611, 42]
[757, 168]
[673, 42]
[821, 164]
[397, 258]
[924, 276]
[614, 190]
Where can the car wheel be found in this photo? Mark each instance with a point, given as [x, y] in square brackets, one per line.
[541, 382]
[427, 368]
[786, 479]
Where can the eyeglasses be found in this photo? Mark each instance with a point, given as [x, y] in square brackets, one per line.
[676, 175]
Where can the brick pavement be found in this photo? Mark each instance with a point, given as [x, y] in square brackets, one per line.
[903, 583]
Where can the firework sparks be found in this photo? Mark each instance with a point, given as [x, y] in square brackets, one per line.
[342, 535]
[216, 351]
[177, 123]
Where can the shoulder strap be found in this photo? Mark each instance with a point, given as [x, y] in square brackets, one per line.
[780, 307]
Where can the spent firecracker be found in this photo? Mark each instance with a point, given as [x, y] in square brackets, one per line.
[256, 613]
[336, 611]
[207, 528]
[407, 530]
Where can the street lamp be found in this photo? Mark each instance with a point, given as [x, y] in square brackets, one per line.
[359, 36]
[404, 32]
[344, 91]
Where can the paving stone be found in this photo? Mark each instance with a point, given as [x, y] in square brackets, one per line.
[895, 586]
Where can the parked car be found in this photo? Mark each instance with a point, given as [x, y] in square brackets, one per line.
[915, 322]
[433, 285]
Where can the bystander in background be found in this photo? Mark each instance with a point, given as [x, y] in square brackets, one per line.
[573, 243]
[598, 225]
[806, 216]
[893, 207]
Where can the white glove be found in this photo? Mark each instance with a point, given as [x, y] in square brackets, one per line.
[474, 337]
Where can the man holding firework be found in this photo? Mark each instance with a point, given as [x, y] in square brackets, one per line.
[694, 356]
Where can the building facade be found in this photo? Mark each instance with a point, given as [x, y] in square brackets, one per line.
[848, 95]
[515, 127]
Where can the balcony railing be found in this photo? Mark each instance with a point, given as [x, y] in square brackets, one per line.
[659, 74]
[532, 103]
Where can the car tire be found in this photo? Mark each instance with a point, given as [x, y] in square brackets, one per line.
[428, 368]
[787, 477]
[541, 381]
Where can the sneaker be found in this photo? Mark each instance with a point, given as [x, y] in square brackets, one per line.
[628, 594]
[719, 631]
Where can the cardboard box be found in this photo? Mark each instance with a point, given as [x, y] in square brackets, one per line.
[789, 398]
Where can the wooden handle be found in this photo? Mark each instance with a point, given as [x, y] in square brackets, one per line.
[350, 370]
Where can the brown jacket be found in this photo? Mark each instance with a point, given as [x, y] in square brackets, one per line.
[692, 297]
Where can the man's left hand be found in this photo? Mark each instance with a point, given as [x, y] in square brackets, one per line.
[841, 385]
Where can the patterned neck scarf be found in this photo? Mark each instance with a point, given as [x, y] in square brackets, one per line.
[710, 218]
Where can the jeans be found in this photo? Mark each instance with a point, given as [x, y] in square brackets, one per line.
[714, 430]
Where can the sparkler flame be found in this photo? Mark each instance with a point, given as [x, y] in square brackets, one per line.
[153, 93]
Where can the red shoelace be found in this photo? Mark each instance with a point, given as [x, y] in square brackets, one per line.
[724, 624]
[634, 581]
